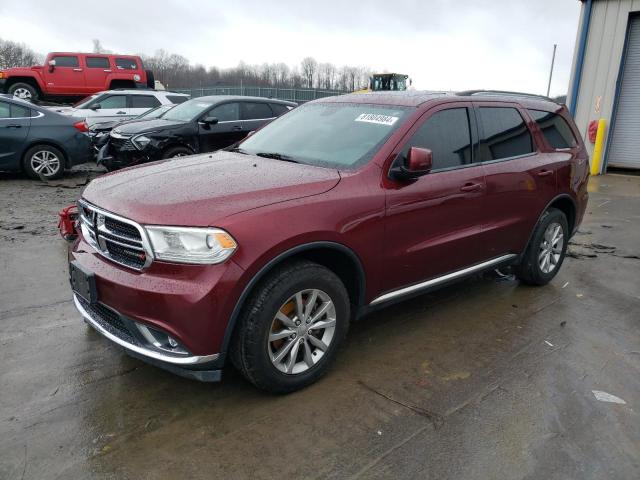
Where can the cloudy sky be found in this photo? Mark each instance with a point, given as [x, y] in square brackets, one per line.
[441, 44]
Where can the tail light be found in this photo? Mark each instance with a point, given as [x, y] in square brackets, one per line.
[81, 126]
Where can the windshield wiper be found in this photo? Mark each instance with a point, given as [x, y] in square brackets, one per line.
[237, 150]
[277, 156]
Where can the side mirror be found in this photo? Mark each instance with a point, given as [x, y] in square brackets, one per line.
[52, 65]
[250, 133]
[95, 106]
[419, 162]
[208, 121]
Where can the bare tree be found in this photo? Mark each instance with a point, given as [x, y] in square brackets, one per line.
[98, 48]
[309, 65]
[14, 54]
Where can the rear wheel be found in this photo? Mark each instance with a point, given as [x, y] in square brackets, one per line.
[44, 161]
[176, 152]
[23, 91]
[291, 328]
[546, 251]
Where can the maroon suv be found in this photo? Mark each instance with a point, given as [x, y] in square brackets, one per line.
[263, 254]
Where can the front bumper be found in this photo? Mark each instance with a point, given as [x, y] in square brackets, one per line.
[190, 303]
[121, 331]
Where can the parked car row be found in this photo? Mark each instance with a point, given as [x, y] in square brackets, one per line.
[119, 128]
[263, 254]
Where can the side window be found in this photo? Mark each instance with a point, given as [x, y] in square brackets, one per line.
[279, 109]
[448, 135]
[97, 62]
[554, 128]
[177, 99]
[66, 61]
[113, 101]
[504, 134]
[18, 111]
[144, 101]
[5, 110]
[256, 111]
[126, 64]
[227, 112]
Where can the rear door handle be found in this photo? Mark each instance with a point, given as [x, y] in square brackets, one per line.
[545, 173]
[121, 113]
[236, 128]
[471, 187]
[13, 125]
[77, 69]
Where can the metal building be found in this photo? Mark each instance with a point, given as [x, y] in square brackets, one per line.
[605, 78]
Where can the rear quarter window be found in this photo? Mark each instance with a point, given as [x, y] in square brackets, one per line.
[177, 99]
[126, 64]
[555, 129]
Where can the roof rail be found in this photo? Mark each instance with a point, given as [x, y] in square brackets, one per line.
[469, 93]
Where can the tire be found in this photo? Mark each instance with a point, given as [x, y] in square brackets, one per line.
[52, 159]
[544, 255]
[151, 82]
[24, 91]
[254, 351]
[173, 152]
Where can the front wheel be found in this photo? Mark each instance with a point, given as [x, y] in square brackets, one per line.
[174, 152]
[23, 91]
[291, 328]
[546, 251]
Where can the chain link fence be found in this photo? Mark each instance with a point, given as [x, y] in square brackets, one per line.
[299, 95]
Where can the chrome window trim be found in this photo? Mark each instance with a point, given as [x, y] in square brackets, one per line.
[442, 279]
[100, 246]
[175, 360]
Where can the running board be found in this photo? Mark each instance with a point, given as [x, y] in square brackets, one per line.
[443, 279]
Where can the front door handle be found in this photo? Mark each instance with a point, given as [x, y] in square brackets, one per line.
[77, 69]
[236, 128]
[545, 173]
[471, 187]
[14, 125]
[121, 113]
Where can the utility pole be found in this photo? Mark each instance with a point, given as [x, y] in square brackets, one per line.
[553, 59]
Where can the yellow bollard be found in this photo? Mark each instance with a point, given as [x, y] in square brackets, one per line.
[597, 149]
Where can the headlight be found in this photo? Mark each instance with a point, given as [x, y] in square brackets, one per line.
[191, 245]
[140, 141]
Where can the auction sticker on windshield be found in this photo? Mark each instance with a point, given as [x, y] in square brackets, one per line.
[375, 118]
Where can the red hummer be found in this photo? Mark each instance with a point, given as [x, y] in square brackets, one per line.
[70, 76]
[263, 254]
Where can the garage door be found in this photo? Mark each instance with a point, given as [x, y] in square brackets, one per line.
[625, 139]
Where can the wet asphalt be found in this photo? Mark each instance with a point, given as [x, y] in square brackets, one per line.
[485, 379]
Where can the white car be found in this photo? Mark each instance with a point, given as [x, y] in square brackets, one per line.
[119, 104]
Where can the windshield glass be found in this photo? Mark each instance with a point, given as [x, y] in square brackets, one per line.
[84, 101]
[336, 135]
[156, 112]
[187, 111]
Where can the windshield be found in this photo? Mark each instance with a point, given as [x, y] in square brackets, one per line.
[187, 111]
[156, 112]
[84, 101]
[336, 135]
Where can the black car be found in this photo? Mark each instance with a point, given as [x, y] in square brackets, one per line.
[99, 132]
[199, 125]
[38, 141]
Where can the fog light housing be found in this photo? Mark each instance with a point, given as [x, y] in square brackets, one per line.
[161, 340]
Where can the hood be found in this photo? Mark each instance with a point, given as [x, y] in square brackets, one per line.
[145, 126]
[202, 189]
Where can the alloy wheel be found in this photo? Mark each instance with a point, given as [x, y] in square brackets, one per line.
[302, 331]
[45, 163]
[551, 248]
[22, 93]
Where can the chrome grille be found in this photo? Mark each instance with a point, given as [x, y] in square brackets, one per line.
[116, 238]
